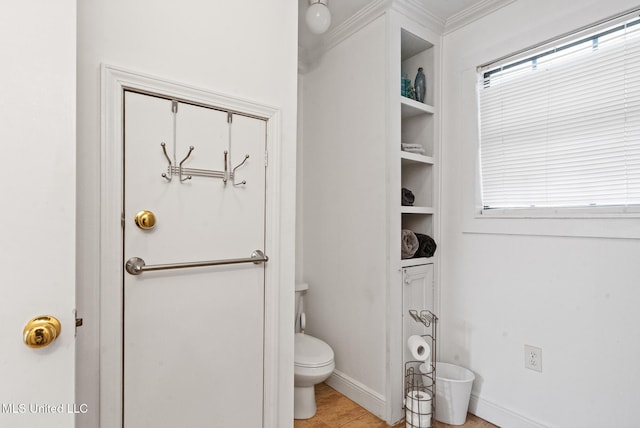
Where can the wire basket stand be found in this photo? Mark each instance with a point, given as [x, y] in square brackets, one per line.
[420, 378]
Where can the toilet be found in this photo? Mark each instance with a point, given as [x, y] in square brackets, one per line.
[313, 360]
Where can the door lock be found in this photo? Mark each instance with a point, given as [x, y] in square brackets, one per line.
[145, 220]
[41, 331]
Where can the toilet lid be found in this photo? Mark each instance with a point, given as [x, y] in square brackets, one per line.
[311, 352]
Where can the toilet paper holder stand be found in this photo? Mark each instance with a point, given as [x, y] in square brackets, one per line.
[425, 317]
[420, 378]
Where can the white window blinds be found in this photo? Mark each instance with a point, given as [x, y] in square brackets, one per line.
[560, 126]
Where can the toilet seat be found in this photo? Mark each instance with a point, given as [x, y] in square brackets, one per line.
[311, 352]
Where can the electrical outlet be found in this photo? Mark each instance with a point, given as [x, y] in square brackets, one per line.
[533, 358]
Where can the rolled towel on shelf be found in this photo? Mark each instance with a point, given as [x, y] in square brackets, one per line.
[407, 197]
[409, 244]
[426, 246]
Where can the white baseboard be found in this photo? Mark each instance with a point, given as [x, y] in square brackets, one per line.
[499, 415]
[375, 403]
[361, 394]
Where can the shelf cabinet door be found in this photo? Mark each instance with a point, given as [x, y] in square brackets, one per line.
[418, 294]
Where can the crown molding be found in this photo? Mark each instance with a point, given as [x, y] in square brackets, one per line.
[473, 13]
[412, 9]
[409, 8]
[307, 57]
[354, 23]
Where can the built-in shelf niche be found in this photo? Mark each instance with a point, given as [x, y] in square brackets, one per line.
[416, 52]
[418, 177]
[418, 129]
[417, 118]
[418, 222]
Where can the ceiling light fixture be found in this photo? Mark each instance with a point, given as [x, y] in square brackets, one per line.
[318, 16]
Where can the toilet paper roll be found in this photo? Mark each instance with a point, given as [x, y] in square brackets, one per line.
[417, 421]
[418, 402]
[419, 348]
[418, 413]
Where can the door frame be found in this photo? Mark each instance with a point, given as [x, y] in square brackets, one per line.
[114, 81]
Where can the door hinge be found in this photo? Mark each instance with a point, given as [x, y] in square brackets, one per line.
[174, 106]
[266, 158]
[229, 117]
[79, 321]
[122, 220]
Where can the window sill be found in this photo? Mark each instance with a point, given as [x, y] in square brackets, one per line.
[564, 223]
[564, 213]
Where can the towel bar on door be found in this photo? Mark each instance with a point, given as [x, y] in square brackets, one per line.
[135, 265]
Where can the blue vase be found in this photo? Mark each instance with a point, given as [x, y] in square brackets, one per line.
[421, 85]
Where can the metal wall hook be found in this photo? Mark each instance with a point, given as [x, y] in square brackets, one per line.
[233, 172]
[169, 174]
[191, 148]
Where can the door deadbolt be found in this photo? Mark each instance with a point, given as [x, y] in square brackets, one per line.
[145, 220]
[41, 331]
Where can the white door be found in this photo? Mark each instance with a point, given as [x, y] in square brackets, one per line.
[37, 190]
[193, 337]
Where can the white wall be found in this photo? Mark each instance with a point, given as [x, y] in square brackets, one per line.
[242, 49]
[344, 203]
[575, 297]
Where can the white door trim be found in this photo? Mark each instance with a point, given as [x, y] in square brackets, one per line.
[114, 81]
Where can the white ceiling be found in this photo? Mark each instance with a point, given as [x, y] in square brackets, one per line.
[341, 10]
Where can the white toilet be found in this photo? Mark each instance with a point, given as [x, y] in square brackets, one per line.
[313, 362]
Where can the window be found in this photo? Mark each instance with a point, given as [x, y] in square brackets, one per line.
[560, 125]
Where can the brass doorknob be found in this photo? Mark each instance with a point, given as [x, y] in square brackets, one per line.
[41, 331]
[145, 220]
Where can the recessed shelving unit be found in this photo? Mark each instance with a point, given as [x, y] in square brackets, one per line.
[414, 148]
[417, 130]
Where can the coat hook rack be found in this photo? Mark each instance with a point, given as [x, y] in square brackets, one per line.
[187, 173]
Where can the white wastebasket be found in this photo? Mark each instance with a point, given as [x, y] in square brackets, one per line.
[453, 391]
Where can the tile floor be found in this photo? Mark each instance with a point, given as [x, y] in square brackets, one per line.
[337, 411]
